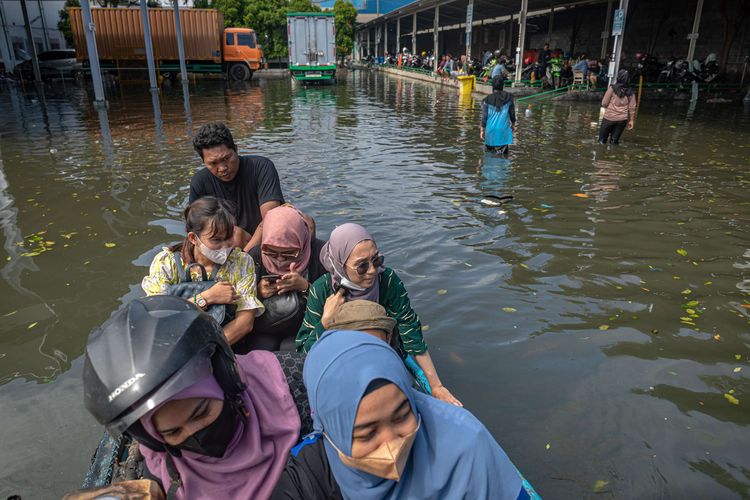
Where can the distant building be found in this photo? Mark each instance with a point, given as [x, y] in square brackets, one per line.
[369, 9]
[43, 17]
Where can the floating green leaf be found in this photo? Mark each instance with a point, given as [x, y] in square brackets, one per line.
[110, 244]
[731, 399]
[32, 325]
[442, 291]
[603, 327]
[682, 252]
[736, 356]
[600, 486]
[692, 303]
[687, 291]
[509, 309]
[737, 370]
[690, 311]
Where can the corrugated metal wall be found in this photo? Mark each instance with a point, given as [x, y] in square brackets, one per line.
[119, 33]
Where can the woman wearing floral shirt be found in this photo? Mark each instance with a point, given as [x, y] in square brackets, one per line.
[210, 224]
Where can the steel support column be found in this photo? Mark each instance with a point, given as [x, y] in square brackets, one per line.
[414, 34]
[10, 58]
[149, 48]
[693, 36]
[435, 38]
[469, 28]
[551, 23]
[44, 25]
[89, 30]
[398, 35]
[521, 39]
[385, 35]
[180, 42]
[605, 33]
[30, 37]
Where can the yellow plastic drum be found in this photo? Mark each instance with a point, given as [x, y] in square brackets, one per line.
[467, 84]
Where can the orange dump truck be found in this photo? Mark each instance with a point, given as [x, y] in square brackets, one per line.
[209, 47]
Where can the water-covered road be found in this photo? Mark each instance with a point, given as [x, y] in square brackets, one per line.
[598, 324]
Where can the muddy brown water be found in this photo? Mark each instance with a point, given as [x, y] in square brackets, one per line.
[560, 319]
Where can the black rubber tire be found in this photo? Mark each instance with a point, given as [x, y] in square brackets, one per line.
[240, 72]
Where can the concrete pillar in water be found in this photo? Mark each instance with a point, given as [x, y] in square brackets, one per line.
[521, 39]
[368, 44]
[180, 42]
[149, 48]
[435, 35]
[414, 34]
[32, 45]
[693, 36]
[96, 72]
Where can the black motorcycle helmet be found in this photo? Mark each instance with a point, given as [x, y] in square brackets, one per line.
[147, 352]
[497, 54]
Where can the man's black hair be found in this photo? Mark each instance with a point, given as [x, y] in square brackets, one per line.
[211, 135]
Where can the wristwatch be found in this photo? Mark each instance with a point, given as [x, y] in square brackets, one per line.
[201, 302]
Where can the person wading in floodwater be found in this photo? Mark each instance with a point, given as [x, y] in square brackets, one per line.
[619, 109]
[498, 118]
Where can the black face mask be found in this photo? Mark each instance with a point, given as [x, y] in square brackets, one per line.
[214, 439]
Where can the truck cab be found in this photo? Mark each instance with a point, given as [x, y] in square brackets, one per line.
[241, 53]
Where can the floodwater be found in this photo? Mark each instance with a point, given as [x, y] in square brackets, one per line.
[598, 324]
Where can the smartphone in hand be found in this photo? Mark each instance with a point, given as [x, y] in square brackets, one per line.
[272, 278]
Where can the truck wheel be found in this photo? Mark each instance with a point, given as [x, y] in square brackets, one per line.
[240, 72]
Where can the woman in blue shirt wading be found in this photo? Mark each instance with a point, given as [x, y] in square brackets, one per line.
[498, 118]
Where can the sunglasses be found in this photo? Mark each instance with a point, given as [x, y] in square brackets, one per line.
[363, 267]
[281, 256]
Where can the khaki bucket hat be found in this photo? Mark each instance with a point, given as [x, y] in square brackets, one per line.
[362, 315]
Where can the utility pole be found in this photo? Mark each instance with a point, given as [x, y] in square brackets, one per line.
[149, 47]
[96, 72]
[521, 39]
[618, 29]
[30, 37]
[180, 42]
[693, 36]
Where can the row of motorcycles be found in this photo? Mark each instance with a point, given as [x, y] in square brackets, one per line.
[677, 70]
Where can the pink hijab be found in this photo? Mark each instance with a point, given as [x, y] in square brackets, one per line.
[256, 456]
[285, 227]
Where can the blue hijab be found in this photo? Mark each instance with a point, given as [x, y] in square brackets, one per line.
[453, 456]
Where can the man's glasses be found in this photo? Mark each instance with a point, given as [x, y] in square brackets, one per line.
[282, 256]
[363, 267]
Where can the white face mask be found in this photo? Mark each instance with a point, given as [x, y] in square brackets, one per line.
[216, 256]
[345, 282]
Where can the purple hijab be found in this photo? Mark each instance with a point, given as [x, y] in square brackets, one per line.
[256, 456]
[339, 247]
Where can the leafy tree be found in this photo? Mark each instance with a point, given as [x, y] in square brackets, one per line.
[201, 4]
[64, 23]
[345, 16]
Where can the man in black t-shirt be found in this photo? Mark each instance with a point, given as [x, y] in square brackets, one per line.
[250, 182]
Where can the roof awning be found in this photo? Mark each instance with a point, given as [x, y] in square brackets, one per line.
[453, 12]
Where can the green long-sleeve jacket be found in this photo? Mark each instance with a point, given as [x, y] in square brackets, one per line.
[393, 298]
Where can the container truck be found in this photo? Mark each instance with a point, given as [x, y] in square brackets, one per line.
[209, 46]
[312, 46]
